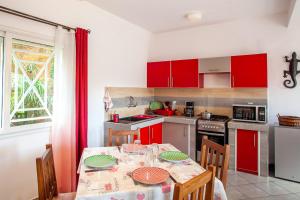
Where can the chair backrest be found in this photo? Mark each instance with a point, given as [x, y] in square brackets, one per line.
[217, 155]
[47, 184]
[122, 135]
[196, 186]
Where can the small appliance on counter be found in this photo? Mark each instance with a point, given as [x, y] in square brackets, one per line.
[189, 109]
[249, 113]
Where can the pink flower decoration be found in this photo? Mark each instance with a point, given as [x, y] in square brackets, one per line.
[108, 187]
[140, 196]
[166, 187]
[114, 169]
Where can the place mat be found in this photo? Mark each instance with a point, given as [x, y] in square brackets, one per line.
[173, 156]
[150, 175]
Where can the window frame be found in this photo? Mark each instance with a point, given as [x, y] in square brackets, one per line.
[8, 36]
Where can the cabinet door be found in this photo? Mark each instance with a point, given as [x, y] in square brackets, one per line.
[144, 135]
[158, 74]
[249, 71]
[185, 73]
[247, 151]
[177, 135]
[156, 133]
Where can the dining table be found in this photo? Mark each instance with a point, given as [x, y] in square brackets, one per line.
[116, 183]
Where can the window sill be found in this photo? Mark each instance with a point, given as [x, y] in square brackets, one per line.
[25, 130]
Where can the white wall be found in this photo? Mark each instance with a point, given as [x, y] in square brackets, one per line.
[245, 36]
[118, 53]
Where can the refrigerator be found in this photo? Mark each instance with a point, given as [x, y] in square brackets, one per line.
[287, 153]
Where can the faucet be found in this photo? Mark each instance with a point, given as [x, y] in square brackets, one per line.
[132, 103]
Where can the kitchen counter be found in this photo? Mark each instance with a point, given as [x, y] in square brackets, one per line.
[263, 127]
[152, 121]
[181, 119]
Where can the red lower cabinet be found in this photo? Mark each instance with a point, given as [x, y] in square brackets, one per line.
[151, 134]
[156, 133]
[144, 135]
[247, 151]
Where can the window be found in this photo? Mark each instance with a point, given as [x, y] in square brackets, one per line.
[29, 85]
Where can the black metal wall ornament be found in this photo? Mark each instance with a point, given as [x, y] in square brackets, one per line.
[293, 65]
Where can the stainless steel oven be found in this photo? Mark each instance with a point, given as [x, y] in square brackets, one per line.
[215, 129]
[249, 113]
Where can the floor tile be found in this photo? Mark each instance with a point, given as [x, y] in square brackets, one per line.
[289, 186]
[235, 179]
[278, 197]
[250, 191]
[243, 186]
[234, 194]
[252, 178]
[272, 189]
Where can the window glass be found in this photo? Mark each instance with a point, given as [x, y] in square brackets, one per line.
[32, 74]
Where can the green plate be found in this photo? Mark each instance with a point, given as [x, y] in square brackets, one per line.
[173, 156]
[100, 161]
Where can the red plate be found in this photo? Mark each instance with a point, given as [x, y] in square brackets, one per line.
[150, 175]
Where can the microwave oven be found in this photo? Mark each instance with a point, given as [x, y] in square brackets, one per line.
[249, 113]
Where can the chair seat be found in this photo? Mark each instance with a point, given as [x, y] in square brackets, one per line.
[65, 196]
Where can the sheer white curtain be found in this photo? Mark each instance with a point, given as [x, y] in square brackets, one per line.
[63, 136]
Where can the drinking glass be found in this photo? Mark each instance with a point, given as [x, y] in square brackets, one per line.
[155, 150]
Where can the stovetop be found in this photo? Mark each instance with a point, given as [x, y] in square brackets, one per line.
[216, 118]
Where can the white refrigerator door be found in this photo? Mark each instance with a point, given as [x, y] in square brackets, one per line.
[287, 153]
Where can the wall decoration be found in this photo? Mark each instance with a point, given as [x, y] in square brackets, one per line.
[293, 65]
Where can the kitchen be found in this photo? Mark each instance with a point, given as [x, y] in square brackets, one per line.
[178, 76]
[203, 106]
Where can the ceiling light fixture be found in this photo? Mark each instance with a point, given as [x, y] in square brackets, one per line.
[193, 16]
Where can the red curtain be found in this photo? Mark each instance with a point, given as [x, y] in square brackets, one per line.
[81, 91]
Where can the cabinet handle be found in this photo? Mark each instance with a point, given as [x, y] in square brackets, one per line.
[172, 81]
[184, 132]
[254, 140]
[232, 81]
[152, 133]
[168, 81]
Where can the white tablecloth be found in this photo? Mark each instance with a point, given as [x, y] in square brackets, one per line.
[116, 184]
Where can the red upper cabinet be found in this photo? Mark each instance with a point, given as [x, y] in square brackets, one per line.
[156, 133]
[185, 73]
[249, 71]
[158, 74]
[247, 151]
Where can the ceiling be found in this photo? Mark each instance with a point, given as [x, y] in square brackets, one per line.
[166, 15]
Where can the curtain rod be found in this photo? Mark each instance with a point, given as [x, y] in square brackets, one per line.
[37, 19]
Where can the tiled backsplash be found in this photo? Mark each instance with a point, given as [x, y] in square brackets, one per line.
[217, 101]
[120, 99]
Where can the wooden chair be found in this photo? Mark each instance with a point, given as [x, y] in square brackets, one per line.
[217, 155]
[196, 186]
[128, 136]
[47, 185]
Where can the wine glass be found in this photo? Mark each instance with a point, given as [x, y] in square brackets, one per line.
[155, 150]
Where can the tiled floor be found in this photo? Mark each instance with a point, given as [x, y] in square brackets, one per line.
[247, 186]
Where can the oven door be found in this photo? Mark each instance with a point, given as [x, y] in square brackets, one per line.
[213, 136]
